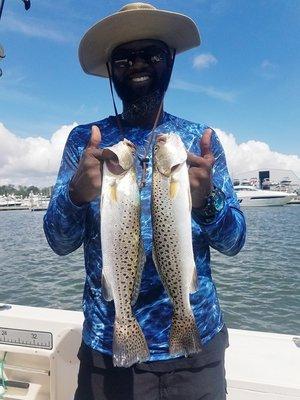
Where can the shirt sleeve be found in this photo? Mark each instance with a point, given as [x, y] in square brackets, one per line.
[64, 222]
[227, 231]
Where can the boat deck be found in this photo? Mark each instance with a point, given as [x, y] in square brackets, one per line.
[40, 347]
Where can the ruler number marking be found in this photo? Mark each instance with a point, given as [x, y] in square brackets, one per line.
[38, 339]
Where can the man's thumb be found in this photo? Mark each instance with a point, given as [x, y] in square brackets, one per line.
[95, 138]
[205, 143]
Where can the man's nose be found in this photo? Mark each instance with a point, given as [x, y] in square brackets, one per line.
[139, 62]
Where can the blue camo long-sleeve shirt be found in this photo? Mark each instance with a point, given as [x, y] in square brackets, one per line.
[68, 226]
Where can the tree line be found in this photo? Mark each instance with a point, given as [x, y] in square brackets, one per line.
[24, 191]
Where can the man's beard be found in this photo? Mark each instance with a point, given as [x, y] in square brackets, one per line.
[142, 107]
[140, 102]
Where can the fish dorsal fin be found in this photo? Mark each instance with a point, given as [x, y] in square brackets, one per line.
[138, 278]
[105, 286]
[194, 281]
[174, 187]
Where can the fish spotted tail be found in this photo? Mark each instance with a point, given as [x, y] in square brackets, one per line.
[129, 345]
[184, 336]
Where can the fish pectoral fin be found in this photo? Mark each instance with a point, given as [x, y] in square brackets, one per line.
[194, 281]
[173, 188]
[113, 191]
[106, 287]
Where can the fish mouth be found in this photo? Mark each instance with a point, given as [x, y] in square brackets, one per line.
[168, 171]
[114, 167]
[120, 156]
[161, 139]
[131, 145]
[110, 155]
[112, 162]
[175, 167]
[169, 155]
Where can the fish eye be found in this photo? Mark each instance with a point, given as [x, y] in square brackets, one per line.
[130, 145]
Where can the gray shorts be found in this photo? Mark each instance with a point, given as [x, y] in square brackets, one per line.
[205, 383]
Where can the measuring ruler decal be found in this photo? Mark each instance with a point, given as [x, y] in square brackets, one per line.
[27, 338]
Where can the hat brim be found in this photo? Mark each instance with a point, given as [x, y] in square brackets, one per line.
[176, 30]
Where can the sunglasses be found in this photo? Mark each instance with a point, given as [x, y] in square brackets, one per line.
[151, 55]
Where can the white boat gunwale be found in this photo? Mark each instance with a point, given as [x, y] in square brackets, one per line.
[259, 365]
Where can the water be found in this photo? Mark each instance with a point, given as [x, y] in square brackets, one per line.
[258, 288]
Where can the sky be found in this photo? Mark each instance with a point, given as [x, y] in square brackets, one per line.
[243, 81]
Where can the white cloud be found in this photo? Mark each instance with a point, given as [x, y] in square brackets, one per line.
[31, 160]
[204, 61]
[268, 69]
[36, 160]
[207, 90]
[253, 155]
[267, 64]
[36, 28]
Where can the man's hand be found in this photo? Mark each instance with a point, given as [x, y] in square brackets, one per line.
[86, 183]
[200, 171]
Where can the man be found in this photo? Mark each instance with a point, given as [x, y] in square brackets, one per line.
[136, 48]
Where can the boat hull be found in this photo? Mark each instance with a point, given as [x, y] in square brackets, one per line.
[263, 202]
[251, 196]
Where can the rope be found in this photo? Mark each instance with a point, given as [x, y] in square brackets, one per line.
[143, 160]
[113, 99]
[3, 387]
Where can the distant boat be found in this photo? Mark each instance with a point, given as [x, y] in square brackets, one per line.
[250, 196]
[33, 202]
[295, 200]
[10, 203]
[286, 181]
[40, 205]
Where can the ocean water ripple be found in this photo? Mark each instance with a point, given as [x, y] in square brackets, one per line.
[258, 288]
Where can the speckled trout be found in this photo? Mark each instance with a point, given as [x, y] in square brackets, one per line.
[122, 252]
[172, 239]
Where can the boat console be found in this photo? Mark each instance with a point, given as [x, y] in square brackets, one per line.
[38, 349]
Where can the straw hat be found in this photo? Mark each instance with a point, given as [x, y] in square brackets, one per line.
[134, 21]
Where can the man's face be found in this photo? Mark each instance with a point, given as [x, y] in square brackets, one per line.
[139, 68]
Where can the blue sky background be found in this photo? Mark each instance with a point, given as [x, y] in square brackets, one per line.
[250, 88]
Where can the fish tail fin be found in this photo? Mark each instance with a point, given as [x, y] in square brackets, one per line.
[129, 345]
[184, 336]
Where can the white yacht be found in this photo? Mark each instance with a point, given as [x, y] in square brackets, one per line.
[36, 202]
[10, 203]
[251, 196]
